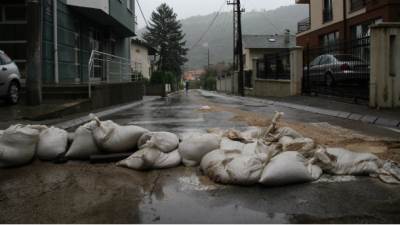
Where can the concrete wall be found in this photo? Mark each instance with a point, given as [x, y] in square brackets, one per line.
[120, 12]
[385, 66]
[155, 90]
[272, 88]
[225, 84]
[113, 94]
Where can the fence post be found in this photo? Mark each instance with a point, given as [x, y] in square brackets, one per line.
[385, 69]
[296, 71]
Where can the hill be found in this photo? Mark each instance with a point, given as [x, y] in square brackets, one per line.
[219, 38]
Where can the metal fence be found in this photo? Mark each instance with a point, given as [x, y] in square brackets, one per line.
[107, 68]
[274, 66]
[340, 69]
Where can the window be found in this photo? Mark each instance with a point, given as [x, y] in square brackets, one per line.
[15, 13]
[329, 39]
[356, 5]
[4, 59]
[363, 30]
[327, 11]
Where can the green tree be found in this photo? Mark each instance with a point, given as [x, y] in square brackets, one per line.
[165, 33]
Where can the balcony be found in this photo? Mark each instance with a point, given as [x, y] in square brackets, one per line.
[304, 25]
[110, 13]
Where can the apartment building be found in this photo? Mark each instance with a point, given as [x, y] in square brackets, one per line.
[331, 21]
[82, 26]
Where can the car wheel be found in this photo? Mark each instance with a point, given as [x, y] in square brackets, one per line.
[13, 93]
[329, 81]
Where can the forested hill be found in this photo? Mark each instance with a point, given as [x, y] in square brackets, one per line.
[219, 37]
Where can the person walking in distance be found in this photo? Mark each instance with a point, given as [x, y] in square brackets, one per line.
[187, 87]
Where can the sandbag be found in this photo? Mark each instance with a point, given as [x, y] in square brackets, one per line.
[151, 158]
[228, 144]
[259, 148]
[18, 144]
[193, 148]
[289, 168]
[296, 144]
[214, 164]
[163, 141]
[253, 133]
[340, 161]
[246, 169]
[84, 144]
[52, 143]
[282, 132]
[113, 138]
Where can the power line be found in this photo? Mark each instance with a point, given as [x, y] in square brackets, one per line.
[209, 27]
[141, 11]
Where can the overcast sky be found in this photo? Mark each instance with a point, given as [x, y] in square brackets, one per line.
[188, 8]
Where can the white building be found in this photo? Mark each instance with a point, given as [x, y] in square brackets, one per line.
[142, 55]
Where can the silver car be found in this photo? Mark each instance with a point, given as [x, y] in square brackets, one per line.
[330, 69]
[10, 83]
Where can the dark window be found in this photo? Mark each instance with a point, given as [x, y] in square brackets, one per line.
[15, 13]
[329, 39]
[357, 4]
[327, 11]
[5, 59]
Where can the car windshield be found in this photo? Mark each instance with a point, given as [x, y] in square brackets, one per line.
[4, 58]
[347, 58]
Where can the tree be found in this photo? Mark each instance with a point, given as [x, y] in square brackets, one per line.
[165, 33]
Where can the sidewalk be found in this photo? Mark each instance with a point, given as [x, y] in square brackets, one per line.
[324, 106]
[23, 114]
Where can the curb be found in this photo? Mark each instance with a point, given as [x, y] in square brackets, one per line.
[84, 119]
[369, 119]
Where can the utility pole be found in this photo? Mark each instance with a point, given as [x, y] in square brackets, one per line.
[34, 52]
[238, 43]
[208, 58]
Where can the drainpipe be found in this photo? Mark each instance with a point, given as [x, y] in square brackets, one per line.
[345, 33]
[55, 41]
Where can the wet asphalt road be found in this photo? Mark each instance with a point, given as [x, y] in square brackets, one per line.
[184, 199]
[77, 192]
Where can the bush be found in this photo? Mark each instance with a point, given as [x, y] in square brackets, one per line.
[209, 81]
[160, 77]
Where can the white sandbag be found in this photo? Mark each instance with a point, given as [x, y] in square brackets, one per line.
[214, 164]
[17, 145]
[113, 138]
[253, 133]
[289, 168]
[246, 169]
[1, 132]
[52, 143]
[163, 141]
[150, 158]
[259, 148]
[282, 132]
[84, 144]
[340, 161]
[296, 144]
[228, 144]
[193, 148]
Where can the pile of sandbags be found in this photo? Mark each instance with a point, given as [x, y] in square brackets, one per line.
[272, 156]
[18, 145]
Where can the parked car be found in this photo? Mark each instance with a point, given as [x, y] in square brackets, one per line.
[331, 69]
[10, 82]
